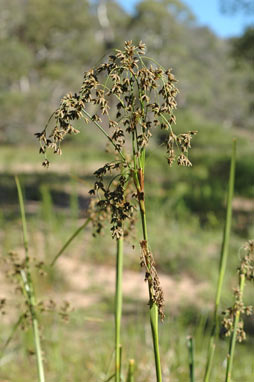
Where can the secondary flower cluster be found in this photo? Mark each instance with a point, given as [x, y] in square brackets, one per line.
[115, 198]
[245, 270]
[18, 269]
[151, 276]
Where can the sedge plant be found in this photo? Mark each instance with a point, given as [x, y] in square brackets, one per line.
[126, 98]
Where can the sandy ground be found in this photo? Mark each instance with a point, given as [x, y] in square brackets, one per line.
[88, 283]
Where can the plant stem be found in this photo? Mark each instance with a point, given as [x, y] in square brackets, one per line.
[28, 288]
[155, 335]
[153, 307]
[37, 342]
[130, 375]
[105, 133]
[222, 266]
[118, 308]
[233, 338]
[15, 327]
[190, 344]
[68, 242]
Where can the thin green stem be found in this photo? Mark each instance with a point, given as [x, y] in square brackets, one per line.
[28, 288]
[105, 133]
[230, 357]
[226, 236]
[14, 329]
[134, 151]
[153, 60]
[47, 124]
[37, 342]
[71, 238]
[190, 344]
[109, 378]
[222, 266]
[23, 217]
[118, 308]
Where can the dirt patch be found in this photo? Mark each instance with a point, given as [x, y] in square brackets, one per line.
[243, 204]
[88, 283]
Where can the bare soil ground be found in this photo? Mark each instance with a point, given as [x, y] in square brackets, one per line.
[88, 283]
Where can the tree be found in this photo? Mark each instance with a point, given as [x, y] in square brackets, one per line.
[244, 46]
[45, 41]
[233, 6]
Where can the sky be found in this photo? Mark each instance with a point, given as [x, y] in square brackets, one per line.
[208, 13]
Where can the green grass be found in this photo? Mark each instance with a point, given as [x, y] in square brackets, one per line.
[83, 350]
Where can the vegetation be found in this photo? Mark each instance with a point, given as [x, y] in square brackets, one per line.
[73, 302]
[39, 65]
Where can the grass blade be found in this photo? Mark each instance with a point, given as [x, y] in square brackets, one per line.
[223, 264]
[109, 378]
[15, 327]
[190, 344]
[68, 242]
[28, 287]
[118, 308]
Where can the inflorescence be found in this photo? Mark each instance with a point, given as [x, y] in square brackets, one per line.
[130, 95]
[245, 270]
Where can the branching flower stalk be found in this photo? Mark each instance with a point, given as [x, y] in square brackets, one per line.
[222, 266]
[130, 95]
[26, 277]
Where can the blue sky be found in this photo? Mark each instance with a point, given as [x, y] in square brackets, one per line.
[208, 13]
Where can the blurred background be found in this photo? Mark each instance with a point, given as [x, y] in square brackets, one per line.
[45, 46]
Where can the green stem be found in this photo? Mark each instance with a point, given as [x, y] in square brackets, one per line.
[155, 335]
[109, 378]
[153, 307]
[190, 344]
[15, 327]
[130, 375]
[222, 266]
[105, 133]
[71, 238]
[37, 342]
[233, 338]
[28, 288]
[118, 308]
